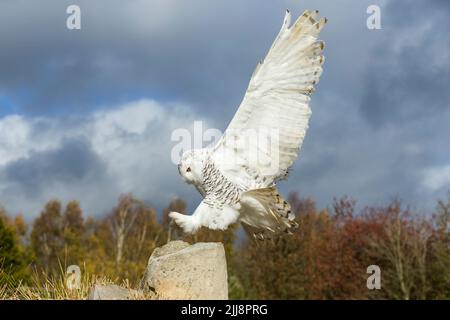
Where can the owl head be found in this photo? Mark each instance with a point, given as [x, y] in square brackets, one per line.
[191, 165]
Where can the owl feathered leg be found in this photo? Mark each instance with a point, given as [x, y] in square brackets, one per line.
[215, 218]
[189, 224]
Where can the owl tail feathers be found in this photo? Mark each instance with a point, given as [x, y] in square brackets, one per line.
[265, 214]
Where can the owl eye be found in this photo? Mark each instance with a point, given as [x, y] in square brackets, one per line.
[188, 169]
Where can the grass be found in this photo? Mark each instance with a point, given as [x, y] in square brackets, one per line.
[44, 287]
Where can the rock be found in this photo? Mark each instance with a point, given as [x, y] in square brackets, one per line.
[113, 292]
[171, 247]
[182, 271]
[177, 271]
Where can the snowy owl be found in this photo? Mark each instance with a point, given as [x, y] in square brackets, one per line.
[237, 177]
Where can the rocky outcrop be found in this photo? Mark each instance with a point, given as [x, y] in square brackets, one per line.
[182, 271]
[113, 292]
[177, 270]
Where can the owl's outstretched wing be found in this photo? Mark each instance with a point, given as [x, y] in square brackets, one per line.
[265, 135]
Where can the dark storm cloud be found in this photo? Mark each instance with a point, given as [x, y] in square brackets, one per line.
[73, 163]
[201, 53]
[409, 74]
[379, 138]
[162, 49]
[93, 158]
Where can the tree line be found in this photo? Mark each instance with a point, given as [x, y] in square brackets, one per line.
[326, 257]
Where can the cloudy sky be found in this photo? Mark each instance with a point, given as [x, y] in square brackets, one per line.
[88, 114]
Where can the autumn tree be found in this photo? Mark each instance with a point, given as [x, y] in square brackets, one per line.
[47, 239]
[146, 235]
[325, 258]
[99, 248]
[134, 232]
[57, 237]
[13, 261]
[402, 251]
[121, 221]
[73, 234]
[439, 258]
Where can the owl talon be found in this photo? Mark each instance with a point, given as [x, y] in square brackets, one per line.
[185, 222]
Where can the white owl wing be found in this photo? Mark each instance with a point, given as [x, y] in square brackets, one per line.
[266, 133]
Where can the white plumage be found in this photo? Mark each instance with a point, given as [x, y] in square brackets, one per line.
[237, 177]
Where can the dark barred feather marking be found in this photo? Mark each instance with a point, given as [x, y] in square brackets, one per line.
[218, 189]
[278, 208]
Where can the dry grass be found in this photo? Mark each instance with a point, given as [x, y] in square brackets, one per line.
[49, 288]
